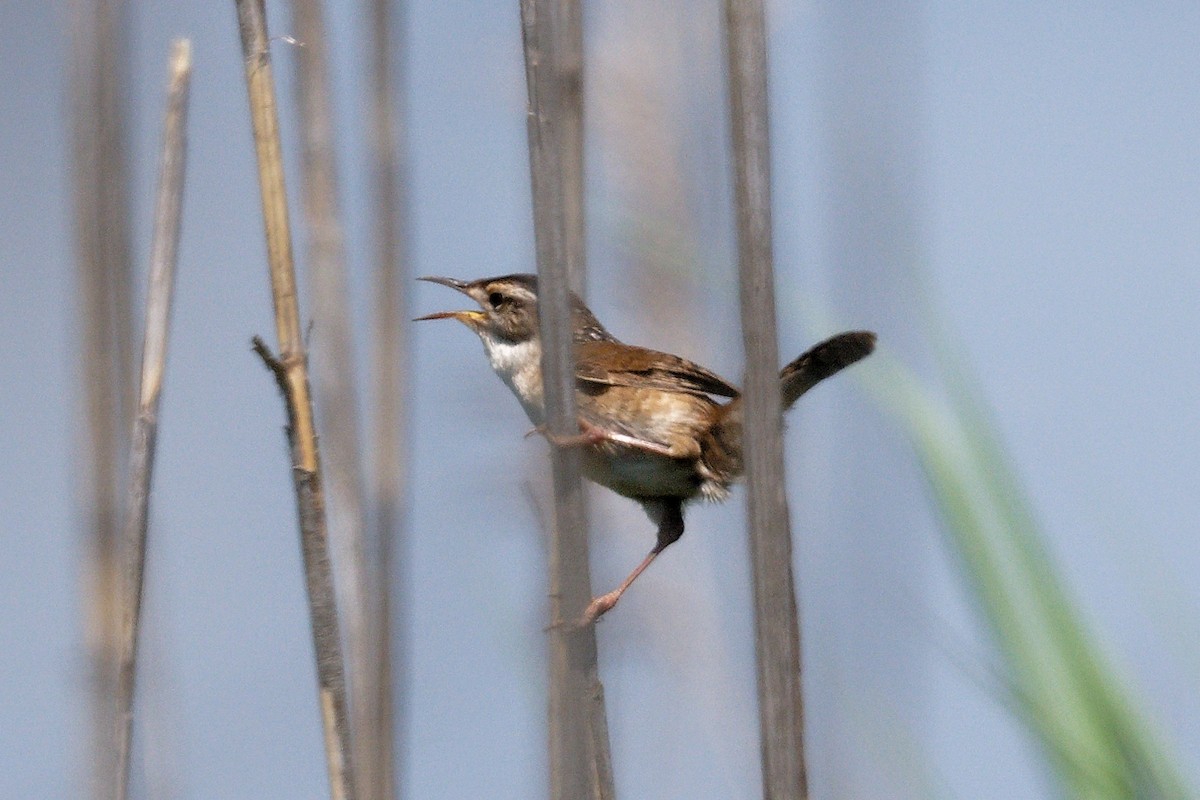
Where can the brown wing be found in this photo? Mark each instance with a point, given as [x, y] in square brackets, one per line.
[617, 364]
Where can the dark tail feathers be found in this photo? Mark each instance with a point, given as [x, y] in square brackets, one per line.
[821, 361]
[722, 447]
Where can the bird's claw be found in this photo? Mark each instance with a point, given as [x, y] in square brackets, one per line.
[590, 434]
[598, 607]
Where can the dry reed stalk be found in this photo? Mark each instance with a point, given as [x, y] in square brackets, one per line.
[291, 374]
[334, 367]
[391, 356]
[580, 762]
[569, 75]
[164, 250]
[776, 622]
[105, 285]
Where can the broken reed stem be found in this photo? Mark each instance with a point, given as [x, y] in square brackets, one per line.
[291, 373]
[334, 373]
[390, 433]
[580, 762]
[163, 256]
[776, 622]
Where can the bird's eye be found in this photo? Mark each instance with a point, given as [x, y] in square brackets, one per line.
[496, 299]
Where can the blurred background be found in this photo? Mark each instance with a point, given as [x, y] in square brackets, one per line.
[1028, 170]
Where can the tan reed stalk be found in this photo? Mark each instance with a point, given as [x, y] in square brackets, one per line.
[291, 373]
[776, 621]
[102, 254]
[580, 762]
[389, 479]
[334, 364]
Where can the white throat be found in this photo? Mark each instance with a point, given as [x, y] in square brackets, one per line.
[519, 365]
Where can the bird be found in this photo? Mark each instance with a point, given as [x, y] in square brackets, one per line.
[653, 427]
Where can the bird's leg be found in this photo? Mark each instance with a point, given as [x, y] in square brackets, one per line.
[604, 603]
[590, 434]
[670, 528]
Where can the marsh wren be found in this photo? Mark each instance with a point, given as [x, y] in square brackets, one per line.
[654, 427]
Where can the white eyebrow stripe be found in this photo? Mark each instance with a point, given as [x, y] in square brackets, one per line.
[518, 292]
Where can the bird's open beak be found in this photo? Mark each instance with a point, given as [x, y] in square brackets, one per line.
[469, 318]
[453, 283]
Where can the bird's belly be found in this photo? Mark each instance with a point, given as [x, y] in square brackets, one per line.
[639, 474]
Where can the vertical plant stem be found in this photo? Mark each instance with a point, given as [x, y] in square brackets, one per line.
[569, 76]
[101, 233]
[291, 373]
[333, 368]
[163, 252]
[776, 624]
[580, 764]
[390, 439]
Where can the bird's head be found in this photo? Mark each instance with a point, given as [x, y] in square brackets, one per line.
[507, 307]
[508, 312]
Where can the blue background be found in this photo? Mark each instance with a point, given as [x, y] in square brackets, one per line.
[1036, 163]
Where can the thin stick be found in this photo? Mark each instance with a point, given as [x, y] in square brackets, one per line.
[163, 252]
[390, 440]
[334, 371]
[105, 287]
[776, 625]
[291, 373]
[580, 763]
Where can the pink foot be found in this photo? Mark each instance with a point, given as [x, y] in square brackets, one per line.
[597, 608]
